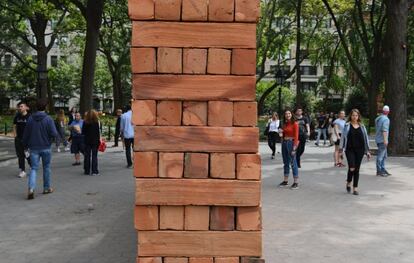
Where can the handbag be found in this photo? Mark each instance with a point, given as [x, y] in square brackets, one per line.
[102, 145]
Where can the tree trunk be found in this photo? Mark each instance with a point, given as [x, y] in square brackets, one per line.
[117, 91]
[38, 25]
[261, 102]
[299, 95]
[396, 73]
[93, 19]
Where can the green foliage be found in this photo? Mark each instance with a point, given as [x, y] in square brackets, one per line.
[271, 103]
[64, 80]
[20, 83]
[357, 100]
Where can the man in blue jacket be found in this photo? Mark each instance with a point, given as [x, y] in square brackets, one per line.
[38, 134]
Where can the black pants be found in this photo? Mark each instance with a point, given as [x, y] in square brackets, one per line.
[116, 137]
[271, 141]
[301, 148]
[354, 157]
[129, 146]
[18, 145]
[91, 154]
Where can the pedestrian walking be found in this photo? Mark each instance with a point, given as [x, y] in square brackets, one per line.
[273, 132]
[127, 131]
[60, 124]
[77, 145]
[92, 137]
[117, 127]
[19, 125]
[355, 143]
[330, 128]
[322, 126]
[290, 142]
[382, 131]
[339, 125]
[72, 115]
[38, 134]
[304, 133]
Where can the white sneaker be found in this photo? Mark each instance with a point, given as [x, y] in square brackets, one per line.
[58, 150]
[67, 149]
[22, 174]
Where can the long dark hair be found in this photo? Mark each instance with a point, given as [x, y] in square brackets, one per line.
[292, 120]
[357, 112]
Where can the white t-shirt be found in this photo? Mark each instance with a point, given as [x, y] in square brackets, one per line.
[274, 125]
[340, 123]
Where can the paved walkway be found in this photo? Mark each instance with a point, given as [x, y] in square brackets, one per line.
[89, 219]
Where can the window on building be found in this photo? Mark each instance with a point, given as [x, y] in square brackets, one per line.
[309, 86]
[8, 61]
[308, 70]
[54, 61]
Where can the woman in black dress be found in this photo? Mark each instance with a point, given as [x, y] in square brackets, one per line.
[91, 133]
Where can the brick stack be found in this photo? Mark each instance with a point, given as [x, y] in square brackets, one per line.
[197, 170]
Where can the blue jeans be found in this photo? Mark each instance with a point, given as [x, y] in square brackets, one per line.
[35, 156]
[381, 156]
[321, 131]
[288, 159]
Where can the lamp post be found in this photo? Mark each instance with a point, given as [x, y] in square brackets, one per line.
[280, 80]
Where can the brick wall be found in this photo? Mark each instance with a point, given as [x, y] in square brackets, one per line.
[197, 170]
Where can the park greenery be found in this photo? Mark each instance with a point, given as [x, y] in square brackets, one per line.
[365, 46]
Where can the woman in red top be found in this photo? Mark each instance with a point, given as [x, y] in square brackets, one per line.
[290, 142]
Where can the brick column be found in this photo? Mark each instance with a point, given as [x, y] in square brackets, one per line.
[198, 177]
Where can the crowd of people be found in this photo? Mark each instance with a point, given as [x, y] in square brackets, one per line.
[350, 138]
[35, 132]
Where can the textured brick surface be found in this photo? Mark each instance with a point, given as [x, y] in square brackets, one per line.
[249, 218]
[195, 10]
[144, 112]
[194, 61]
[197, 218]
[245, 114]
[243, 62]
[171, 165]
[196, 165]
[201, 260]
[194, 113]
[143, 60]
[247, 10]
[145, 164]
[221, 10]
[146, 217]
[248, 167]
[169, 60]
[220, 113]
[175, 260]
[222, 218]
[223, 165]
[172, 217]
[169, 113]
[141, 9]
[219, 61]
[227, 260]
[168, 10]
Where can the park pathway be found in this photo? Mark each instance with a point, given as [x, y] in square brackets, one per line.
[90, 219]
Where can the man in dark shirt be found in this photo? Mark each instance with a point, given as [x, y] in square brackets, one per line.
[304, 133]
[117, 127]
[19, 124]
[322, 128]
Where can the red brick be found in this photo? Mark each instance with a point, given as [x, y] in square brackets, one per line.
[172, 217]
[144, 112]
[249, 218]
[201, 260]
[196, 165]
[247, 10]
[245, 114]
[175, 260]
[248, 167]
[227, 260]
[195, 113]
[149, 260]
[141, 9]
[169, 113]
[221, 10]
[143, 60]
[222, 218]
[146, 217]
[168, 10]
[169, 60]
[220, 113]
[194, 61]
[195, 10]
[251, 260]
[145, 164]
[219, 61]
[243, 62]
[223, 165]
[197, 218]
[171, 165]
